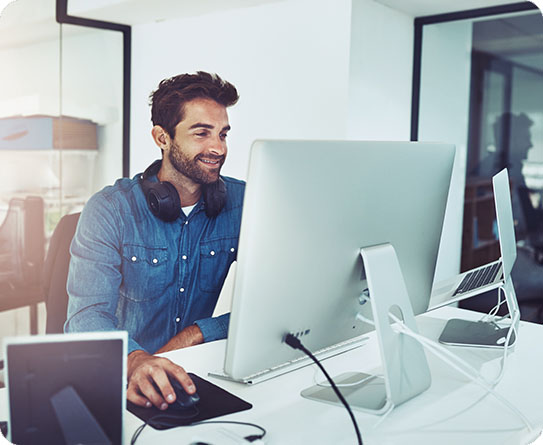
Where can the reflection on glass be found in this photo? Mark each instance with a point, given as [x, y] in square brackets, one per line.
[60, 133]
[512, 140]
[506, 120]
[506, 131]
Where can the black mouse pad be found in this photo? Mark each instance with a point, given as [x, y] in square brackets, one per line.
[214, 402]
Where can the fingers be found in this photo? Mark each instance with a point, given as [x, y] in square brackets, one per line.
[136, 398]
[178, 373]
[162, 382]
[141, 386]
[149, 383]
[148, 389]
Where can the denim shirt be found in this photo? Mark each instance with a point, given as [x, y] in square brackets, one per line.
[131, 271]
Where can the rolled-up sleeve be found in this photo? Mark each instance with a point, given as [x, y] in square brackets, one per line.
[214, 328]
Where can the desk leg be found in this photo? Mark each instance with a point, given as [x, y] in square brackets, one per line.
[33, 308]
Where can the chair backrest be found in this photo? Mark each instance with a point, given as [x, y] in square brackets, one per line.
[55, 273]
[22, 242]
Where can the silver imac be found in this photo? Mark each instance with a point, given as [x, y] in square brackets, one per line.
[310, 206]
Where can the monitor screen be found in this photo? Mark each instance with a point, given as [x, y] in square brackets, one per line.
[66, 388]
[309, 207]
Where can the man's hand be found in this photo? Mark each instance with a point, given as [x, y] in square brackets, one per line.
[147, 373]
[189, 336]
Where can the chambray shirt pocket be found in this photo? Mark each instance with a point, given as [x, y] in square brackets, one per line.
[144, 271]
[215, 259]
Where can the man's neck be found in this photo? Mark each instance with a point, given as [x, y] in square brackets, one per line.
[188, 190]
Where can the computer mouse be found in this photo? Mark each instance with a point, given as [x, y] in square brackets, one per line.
[183, 399]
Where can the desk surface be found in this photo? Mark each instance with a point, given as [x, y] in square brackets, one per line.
[452, 411]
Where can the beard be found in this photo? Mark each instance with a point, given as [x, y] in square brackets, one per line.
[193, 168]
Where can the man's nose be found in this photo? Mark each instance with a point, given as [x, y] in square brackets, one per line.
[218, 147]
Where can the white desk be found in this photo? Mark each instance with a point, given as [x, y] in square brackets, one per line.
[452, 411]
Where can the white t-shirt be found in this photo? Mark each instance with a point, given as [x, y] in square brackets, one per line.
[188, 209]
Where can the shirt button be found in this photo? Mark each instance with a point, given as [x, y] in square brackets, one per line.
[186, 222]
[232, 249]
[182, 289]
[184, 257]
[155, 261]
[177, 320]
[133, 258]
[212, 253]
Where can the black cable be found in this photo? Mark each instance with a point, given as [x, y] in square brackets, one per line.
[250, 438]
[166, 416]
[155, 421]
[295, 343]
[137, 433]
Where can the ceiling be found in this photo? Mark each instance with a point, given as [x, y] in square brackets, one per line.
[30, 21]
[26, 21]
[134, 12]
[420, 8]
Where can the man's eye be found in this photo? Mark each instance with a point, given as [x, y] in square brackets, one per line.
[223, 136]
[202, 134]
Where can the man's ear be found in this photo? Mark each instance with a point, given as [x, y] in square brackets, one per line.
[161, 137]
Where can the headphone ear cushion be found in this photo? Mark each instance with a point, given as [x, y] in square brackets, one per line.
[163, 200]
[214, 197]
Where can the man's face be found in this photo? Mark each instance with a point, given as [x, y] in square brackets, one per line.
[198, 149]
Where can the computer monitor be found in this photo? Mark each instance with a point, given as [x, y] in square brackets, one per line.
[66, 388]
[309, 207]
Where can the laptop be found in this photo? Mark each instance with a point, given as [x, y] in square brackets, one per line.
[66, 388]
[492, 275]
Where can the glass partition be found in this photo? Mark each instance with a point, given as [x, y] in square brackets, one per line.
[60, 140]
[481, 87]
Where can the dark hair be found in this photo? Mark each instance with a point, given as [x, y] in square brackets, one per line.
[169, 99]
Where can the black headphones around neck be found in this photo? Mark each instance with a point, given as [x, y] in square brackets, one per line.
[163, 199]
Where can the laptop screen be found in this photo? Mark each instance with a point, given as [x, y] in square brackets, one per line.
[504, 217]
[66, 388]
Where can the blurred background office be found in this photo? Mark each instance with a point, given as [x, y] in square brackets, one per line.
[74, 106]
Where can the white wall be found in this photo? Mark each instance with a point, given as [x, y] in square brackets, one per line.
[380, 73]
[289, 61]
[444, 113]
[322, 69]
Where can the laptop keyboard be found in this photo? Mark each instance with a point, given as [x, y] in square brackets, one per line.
[478, 278]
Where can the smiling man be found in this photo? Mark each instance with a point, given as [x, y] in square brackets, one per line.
[150, 254]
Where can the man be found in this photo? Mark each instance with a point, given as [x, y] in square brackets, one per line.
[150, 253]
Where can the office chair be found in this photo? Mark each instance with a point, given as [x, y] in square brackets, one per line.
[22, 247]
[55, 273]
[22, 244]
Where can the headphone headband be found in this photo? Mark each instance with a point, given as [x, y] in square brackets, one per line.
[152, 170]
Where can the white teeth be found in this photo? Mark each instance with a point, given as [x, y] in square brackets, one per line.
[210, 162]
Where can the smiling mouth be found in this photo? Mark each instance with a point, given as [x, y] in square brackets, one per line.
[211, 162]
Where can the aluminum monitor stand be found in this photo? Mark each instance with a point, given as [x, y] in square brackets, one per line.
[405, 368]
